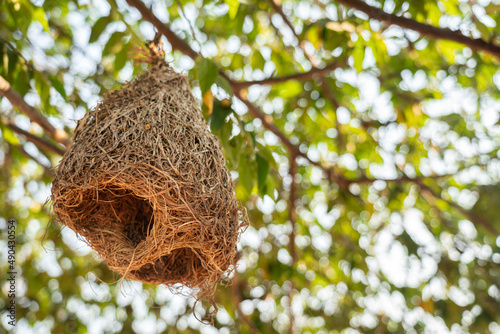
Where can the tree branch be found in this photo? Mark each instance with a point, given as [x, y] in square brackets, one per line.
[17, 101]
[267, 123]
[477, 220]
[39, 142]
[422, 28]
[314, 72]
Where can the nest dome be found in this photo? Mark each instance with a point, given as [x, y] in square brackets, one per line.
[146, 185]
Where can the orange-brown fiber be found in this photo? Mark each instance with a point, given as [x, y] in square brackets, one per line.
[146, 185]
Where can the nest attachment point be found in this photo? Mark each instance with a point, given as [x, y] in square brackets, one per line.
[146, 185]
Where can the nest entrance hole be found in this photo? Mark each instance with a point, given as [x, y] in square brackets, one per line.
[120, 210]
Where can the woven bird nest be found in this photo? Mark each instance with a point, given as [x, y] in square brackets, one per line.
[145, 183]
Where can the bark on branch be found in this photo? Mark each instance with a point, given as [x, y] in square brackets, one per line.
[423, 28]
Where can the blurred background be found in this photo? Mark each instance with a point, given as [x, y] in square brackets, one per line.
[362, 137]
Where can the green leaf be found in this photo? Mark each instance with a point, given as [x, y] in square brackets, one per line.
[11, 61]
[266, 154]
[219, 115]
[262, 171]
[21, 83]
[258, 60]
[98, 28]
[225, 137]
[43, 89]
[314, 36]
[379, 49]
[224, 84]
[358, 54]
[58, 86]
[122, 57]
[485, 32]
[491, 8]
[246, 174]
[233, 8]
[207, 74]
[21, 13]
[452, 7]
[9, 136]
[448, 48]
[39, 15]
[234, 147]
[288, 89]
[114, 43]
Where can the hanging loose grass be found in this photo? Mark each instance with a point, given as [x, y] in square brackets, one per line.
[146, 185]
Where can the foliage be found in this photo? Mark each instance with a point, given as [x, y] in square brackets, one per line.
[389, 221]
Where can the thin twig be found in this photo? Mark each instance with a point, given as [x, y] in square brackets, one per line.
[39, 142]
[47, 169]
[191, 26]
[174, 40]
[16, 51]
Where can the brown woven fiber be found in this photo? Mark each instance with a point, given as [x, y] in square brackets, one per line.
[146, 185]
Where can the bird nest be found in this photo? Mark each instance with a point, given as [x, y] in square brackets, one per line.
[146, 185]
